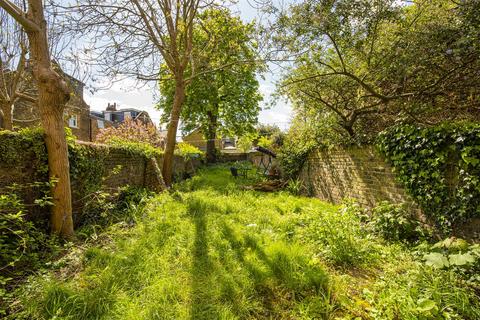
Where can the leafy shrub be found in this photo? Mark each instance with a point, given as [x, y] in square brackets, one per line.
[294, 186]
[265, 142]
[420, 292]
[454, 254]
[397, 223]
[439, 166]
[23, 246]
[245, 143]
[188, 151]
[341, 238]
[298, 143]
[143, 148]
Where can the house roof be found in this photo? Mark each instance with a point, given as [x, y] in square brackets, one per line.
[97, 117]
[124, 110]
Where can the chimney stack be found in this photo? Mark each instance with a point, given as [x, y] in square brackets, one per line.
[112, 107]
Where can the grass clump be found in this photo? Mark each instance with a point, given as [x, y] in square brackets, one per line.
[211, 250]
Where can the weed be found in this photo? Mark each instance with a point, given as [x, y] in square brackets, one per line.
[397, 223]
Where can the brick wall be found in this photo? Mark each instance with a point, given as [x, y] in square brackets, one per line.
[358, 173]
[131, 169]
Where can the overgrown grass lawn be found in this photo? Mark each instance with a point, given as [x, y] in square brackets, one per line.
[210, 250]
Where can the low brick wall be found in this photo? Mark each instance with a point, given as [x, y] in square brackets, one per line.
[232, 157]
[358, 173]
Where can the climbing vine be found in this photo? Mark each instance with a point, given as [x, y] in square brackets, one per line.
[439, 166]
[14, 144]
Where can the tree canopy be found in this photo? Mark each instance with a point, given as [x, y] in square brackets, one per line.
[223, 96]
[366, 64]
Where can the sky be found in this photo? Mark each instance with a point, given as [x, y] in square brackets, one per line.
[126, 95]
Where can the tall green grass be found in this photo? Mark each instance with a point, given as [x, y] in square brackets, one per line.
[210, 250]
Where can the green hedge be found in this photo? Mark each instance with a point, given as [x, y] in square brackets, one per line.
[439, 167]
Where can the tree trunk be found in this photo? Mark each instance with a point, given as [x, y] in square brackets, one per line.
[350, 131]
[7, 121]
[53, 93]
[211, 137]
[167, 169]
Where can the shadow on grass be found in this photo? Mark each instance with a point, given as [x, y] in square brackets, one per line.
[202, 272]
[231, 268]
[282, 275]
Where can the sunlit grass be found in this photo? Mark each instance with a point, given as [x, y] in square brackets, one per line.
[210, 250]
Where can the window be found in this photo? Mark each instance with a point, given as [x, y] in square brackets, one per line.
[73, 121]
[100, 124]
[127, 115]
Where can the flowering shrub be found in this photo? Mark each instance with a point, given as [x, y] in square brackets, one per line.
[133, 131]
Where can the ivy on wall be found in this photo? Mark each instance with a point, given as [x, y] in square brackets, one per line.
[439, 167]
[87, 164]
[13, 146]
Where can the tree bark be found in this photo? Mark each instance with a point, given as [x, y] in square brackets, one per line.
[7, 122]
[53, 93]
[350, 131]
[179, 98]
[211, 137]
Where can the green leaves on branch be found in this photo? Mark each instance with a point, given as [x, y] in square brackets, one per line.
[222, 95]
[188, 151]
[368, 64]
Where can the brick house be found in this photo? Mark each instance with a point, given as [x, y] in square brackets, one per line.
[84, 123]
[197, 139]
[77, 111]
[112, 116]
[116, 117]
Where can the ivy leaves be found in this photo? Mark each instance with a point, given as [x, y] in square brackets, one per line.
[439, 166]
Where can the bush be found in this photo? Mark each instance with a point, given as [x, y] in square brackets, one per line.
[294, 186]
[265, 142]
[23, 246]
[188, 151]
[245, 143]
[143, 148]
[341, 238]
[456, 255]
[420, 292]
[397, 223]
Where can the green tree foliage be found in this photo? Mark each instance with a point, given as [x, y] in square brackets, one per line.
[270, 136]
[366, 64]
[308, 130]
[223, 97]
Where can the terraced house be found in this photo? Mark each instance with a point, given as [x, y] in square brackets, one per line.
[84, 123]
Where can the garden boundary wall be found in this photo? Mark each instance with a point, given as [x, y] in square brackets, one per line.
[120, 167]
[359, 173]
[255, 157]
